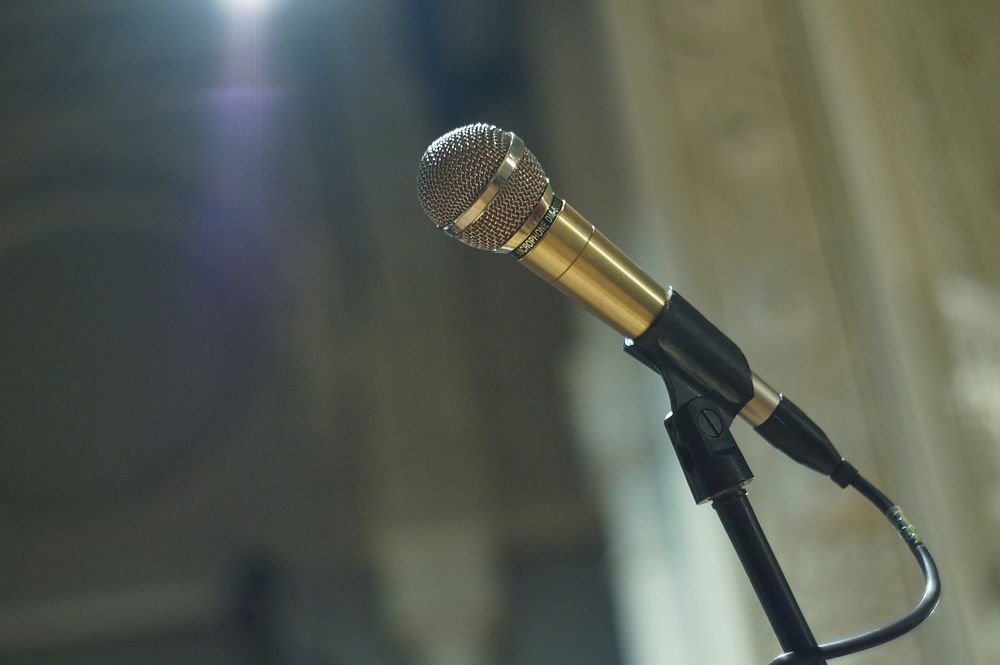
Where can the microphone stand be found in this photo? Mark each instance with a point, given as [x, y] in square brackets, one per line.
[715, 469]
[708, 381]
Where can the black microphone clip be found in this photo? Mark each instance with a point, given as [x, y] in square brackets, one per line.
[700, 365]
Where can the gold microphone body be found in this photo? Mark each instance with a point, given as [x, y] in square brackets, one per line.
[573, 256]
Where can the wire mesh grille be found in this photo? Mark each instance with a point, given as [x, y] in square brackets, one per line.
[456, 169]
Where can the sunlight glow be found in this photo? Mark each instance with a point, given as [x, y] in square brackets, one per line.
[248, 7]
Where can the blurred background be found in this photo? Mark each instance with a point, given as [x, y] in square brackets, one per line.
[255, 409]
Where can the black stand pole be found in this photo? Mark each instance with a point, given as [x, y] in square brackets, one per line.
[764, 572]
[715, 469]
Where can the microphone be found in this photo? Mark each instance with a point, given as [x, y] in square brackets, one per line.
[482, 186]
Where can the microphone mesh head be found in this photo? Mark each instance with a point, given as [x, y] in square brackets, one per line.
[455, 171]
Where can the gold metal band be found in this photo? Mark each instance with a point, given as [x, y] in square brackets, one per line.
[763, 403]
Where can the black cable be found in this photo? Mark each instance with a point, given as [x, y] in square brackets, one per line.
[922, 610]
[872, 493]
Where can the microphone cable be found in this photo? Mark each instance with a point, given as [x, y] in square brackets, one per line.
[922, 610]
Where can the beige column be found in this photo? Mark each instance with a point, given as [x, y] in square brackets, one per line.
[823, 184]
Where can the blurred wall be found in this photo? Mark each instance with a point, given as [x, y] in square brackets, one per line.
[254, 409]
[826, 174]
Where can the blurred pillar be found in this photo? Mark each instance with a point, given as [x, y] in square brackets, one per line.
[429, 507]
[442, 590]
[677, 591]
[724, 148]
[897, 103]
